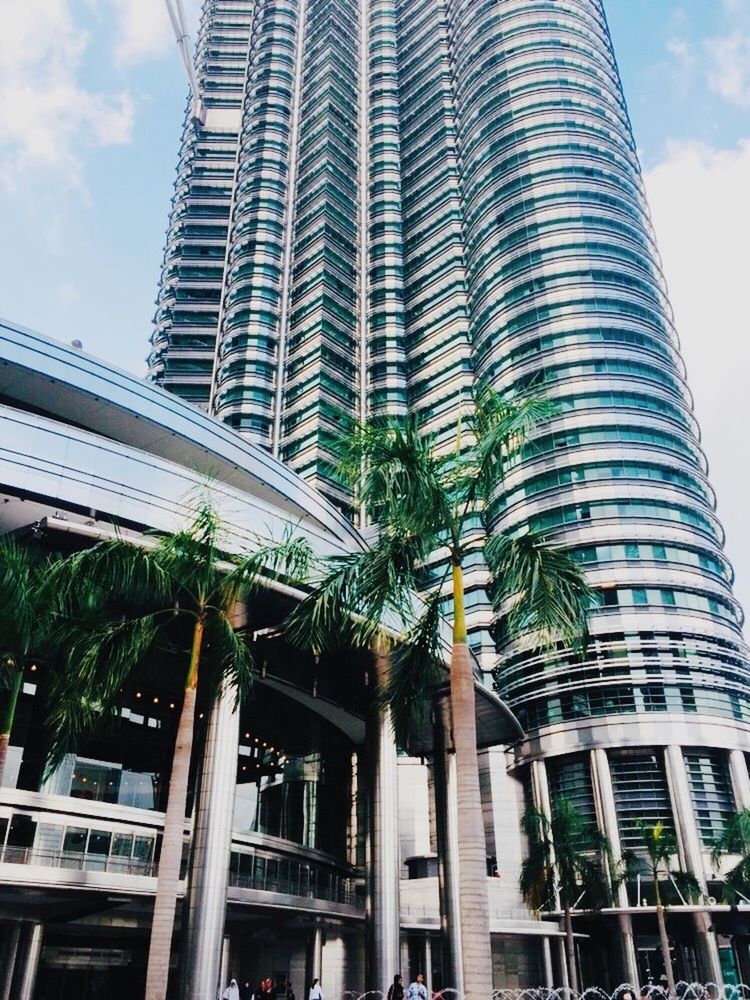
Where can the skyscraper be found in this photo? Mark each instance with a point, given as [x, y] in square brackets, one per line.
[392, 199]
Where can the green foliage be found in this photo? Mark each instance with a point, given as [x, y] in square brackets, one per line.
[118, 602]
[566, 856]
[735, 840]
[548, 594]
[26, 606]
[658, 847]
[418, 499]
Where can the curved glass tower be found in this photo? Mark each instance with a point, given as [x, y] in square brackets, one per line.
[393, 199]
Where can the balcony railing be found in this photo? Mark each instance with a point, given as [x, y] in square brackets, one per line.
[77, 861]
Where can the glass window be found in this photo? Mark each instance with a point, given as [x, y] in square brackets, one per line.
[641, 795]
[711, 792]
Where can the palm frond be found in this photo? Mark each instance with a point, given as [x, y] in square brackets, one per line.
[415, 672]
[290, 559]
[501, 425]
[25, 615]
[547, 590]
[735, 838]
[114, 569]
[537, 880]
[324, 619]
[228, 655]
[686, 884]
[98, 657]
[397, 476]
[737, 882]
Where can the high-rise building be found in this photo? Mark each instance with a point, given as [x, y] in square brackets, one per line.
[392, 199]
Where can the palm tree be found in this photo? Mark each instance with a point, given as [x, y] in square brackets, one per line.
[424, 504]
[568, 858]
[659, 845]
[103, 593]
[26, 616]
[735, 840]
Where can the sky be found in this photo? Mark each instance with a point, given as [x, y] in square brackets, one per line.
[92, 97]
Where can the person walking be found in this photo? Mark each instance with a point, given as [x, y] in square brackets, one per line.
[396, 989]
[246, 991]
[418, 990]
[232, 992]
[289, 991]
[316, 991]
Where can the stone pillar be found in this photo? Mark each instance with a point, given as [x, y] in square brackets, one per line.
[225, 956]
[740, 779]
[691, 852]
[9, 960]
[428, 963]
[604, 800]
[316, 954]
[549, 976]
[208, 876]
[384, 917]
[30, 962]
[446, 821]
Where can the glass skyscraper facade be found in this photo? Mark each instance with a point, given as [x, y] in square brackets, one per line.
[390, 200]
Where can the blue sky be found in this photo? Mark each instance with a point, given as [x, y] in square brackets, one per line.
[91, 102]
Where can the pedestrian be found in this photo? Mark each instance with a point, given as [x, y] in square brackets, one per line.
[246, 991]
[232, 992]
[263, 992]
[418, 990]
[396, 989]
[289, 991]
[316, 991]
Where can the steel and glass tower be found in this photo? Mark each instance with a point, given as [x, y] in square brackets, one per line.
[392, 199]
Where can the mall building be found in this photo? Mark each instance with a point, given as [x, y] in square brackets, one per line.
[378, 204]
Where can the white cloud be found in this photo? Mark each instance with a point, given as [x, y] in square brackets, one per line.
[46, 115]
[728, 55]
[700, 201]
[729, 67]
[143, 30]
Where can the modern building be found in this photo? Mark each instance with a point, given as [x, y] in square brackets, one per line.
[392, 199]
[388, 200]
[291, 862]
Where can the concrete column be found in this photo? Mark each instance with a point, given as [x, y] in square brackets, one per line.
[316, 953]
[740, 779]
[212, 839]
[604, 800]
[549, 976]
[563, 959]
[692, 858]
[446, 821]
[225, 957]
[540, 787]
[428, 964]
[30, 962]
[384, 917]
[10, 955]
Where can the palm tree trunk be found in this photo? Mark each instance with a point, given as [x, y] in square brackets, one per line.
[570, 949]
[165, 903]
[10, 714]
[472, 850]
[664, 940]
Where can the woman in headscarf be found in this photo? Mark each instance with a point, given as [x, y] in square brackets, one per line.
[232, 992]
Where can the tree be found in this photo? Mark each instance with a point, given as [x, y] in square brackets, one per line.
[119, 600]
[735, 840]
[659, 845]
[568, 858]
[426, 506]
[26, 617]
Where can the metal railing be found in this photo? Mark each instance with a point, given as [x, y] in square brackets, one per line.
[77, 861]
